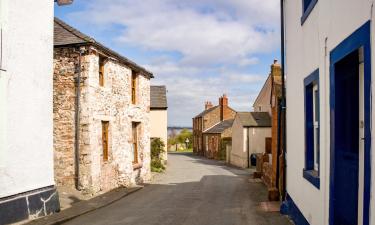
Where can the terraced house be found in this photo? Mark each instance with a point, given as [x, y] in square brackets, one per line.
[329, 69]
[102, 128]
[210, 117]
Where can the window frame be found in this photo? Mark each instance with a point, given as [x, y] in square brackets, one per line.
[134, 83]
[135, 142]
[309, 9]
[101, 70]
[105, 140]
[311, 171]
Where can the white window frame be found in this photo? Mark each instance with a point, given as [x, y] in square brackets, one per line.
[316, 127]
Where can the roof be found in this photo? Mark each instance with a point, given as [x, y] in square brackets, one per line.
[158, 95]
[206, 111]
[254, 119]
[65, 35]
[220, 127]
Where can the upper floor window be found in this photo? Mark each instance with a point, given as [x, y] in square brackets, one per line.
[307, 7]
[134, 87]
[312, 128]
[101, 70]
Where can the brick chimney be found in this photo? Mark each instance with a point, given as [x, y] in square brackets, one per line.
[276, 72]
[208, 105]
[223, 104]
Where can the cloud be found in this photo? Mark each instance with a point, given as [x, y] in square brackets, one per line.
[204, 47]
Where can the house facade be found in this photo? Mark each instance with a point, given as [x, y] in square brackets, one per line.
[27, 187]
[250, 132]
[159, 116]
[211, 116]
[216, 139]
[102, 129]
[328, 65]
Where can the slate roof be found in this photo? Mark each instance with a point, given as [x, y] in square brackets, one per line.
[255, 119]
[206, 111]
[220, 127]
[158, 95]
[65, 35]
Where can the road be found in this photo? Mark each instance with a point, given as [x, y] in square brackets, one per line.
[193, 191]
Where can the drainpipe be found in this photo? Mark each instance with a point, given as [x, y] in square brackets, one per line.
[77, 120]
[283, 97]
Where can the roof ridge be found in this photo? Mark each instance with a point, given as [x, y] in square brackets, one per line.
[74, 31]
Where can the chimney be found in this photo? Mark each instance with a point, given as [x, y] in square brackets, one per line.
[223, 103]
[276, 72]
[208, 105]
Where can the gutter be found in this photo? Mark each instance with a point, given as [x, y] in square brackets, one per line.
[283, 96]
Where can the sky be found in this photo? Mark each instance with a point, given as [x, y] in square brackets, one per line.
[199, 49]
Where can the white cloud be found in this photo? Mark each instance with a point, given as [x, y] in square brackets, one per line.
[216, 40]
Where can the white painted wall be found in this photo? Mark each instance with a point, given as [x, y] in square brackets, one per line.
[26, 98]
[159, 126]
[244, 137]
[257, 139]
[238, 156]
[332, 20]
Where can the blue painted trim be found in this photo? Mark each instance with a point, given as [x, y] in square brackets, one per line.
[288, 207]
[309, 81]
[311, 177]
[309, 9]
[359, 38]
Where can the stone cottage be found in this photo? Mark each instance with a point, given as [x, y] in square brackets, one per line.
[102, 129]
[211, 116]
[159, 115]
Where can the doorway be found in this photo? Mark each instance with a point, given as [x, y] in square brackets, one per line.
[350, 76]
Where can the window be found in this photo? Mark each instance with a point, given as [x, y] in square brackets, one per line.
[101, 70]
[105, 125]
[312, 123]
[135, 142]
[134, 87]
[307, 7]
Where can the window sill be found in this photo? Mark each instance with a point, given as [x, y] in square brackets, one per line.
[137, 166]
[309, 9]
[312, 176]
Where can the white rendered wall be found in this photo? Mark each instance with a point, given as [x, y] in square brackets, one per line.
[238, 156]
[159, 126]
[329, 24]
[257, 139]
[26, 144]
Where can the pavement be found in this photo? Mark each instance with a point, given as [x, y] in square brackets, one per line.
[192, 191]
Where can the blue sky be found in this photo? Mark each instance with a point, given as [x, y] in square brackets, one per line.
[199, 49]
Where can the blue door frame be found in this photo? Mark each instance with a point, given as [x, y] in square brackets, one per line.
[360, 38]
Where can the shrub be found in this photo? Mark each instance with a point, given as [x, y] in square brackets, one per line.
[157, 148]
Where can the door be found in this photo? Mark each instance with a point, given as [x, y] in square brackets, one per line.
[350, 136]
[346, 149]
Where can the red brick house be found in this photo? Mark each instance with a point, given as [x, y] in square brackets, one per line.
[211, 116]
[216, 138]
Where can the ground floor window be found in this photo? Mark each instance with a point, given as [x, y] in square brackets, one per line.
[135, 128]
[105, 126]
[312, 119]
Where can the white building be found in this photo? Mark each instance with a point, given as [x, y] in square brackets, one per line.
[159, 115]
[330, 162]
[26, 143]
[249, 133]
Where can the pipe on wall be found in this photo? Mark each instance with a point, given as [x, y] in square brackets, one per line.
[283, 97]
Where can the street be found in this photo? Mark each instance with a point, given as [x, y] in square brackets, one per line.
[192, 191]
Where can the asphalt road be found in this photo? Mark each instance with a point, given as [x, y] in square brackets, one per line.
[193, 191]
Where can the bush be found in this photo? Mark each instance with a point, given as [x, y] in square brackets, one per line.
[157, 148]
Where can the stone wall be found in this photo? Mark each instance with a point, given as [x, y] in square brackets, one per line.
[112, 103]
